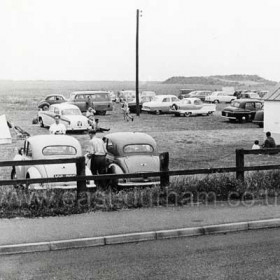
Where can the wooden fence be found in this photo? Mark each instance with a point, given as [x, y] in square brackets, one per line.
[164, 174]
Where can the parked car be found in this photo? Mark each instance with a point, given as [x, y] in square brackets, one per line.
[242, 109]
[132, 152]
[145, 96]
[126, 95]
[184, 93]
[246, 95]
[49, 147]
[70, 116]
[192, 106]
[259, 118]
[160, 104]
[99, 100]
[220, 96]
[51, 99]
[201, 94]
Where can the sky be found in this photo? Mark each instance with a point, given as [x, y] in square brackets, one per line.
[96, 40]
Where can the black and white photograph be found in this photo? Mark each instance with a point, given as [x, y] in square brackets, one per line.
[139, 139]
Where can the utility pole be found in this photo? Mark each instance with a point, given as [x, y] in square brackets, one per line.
[137, 64]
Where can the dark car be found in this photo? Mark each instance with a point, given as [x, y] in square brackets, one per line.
[99, 100]
[259, 116]
[242, 109]
[51, 99]
[132, 152]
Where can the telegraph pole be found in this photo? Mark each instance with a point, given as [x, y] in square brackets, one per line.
[137, 64]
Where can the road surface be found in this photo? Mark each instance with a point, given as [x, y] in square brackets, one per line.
[244, 255]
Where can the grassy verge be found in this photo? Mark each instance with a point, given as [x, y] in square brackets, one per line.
[181, 192]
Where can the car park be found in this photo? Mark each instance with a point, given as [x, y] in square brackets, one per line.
[220, 96]
[132, 152]
[51, 99]
[160, 104]
[259, 118]
[99, 100]
[192, 106]
[70, 116]
[242, 110]
[41, 147]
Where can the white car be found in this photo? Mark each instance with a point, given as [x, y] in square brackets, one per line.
[220, 96]
[49, 147]
[192, 106]
[160, 104]
[70, 116]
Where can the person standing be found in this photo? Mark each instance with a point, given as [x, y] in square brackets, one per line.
[97, 154]
[57, 127]
[126, 112]
[90, 115]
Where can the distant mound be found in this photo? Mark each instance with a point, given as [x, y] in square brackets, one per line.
[223, 80]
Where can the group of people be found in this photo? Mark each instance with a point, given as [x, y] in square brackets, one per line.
[268, 143]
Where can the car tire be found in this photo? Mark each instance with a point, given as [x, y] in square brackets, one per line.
[187, 114]
[158, 112]
[174, 106]
[216, 101]
[45, 107]
[41, 122]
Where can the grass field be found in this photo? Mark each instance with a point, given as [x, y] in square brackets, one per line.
[195, 142]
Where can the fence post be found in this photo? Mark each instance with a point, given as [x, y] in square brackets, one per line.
[240, 164]
[164, 163]
[81, 171]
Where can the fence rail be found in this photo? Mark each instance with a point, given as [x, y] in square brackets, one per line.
[164, 174]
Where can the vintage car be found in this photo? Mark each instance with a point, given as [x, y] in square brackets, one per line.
[220, 96]
[70, 116]
[192, 106]
[259, 118]
[247, 95]
[126, 95]
[201, 94]
[242, 110]
[49, 147]
[99, 100]
[132, 152]
[160, 104]
[51, 99]
[145, 96]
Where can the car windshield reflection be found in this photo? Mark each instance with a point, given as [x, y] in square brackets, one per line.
[139, 148]
[59, 150]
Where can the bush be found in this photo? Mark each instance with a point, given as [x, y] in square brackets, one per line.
[183, 190]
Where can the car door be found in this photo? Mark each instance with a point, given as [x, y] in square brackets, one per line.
[165, 104]
[80, 101]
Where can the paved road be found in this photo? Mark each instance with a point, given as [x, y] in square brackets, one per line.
[246, 255]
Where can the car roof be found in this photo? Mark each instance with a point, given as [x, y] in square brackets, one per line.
[191, 98]
[125, 138]
[38, 142]
[244, 100]
[54, 94]
[65, 106]
[166, 95]
[89, 91]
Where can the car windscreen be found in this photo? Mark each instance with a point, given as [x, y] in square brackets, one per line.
[71, 112]
[59, 150]
[138, 148]
[235, 104]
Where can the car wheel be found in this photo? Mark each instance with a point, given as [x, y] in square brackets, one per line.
[174, 107]
[216, 101]
[187, 114]
[158, 112]
[45, 107]
[41, 122]
[232, 100]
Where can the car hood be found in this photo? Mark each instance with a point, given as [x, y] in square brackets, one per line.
[233, 109]
[142, 163]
